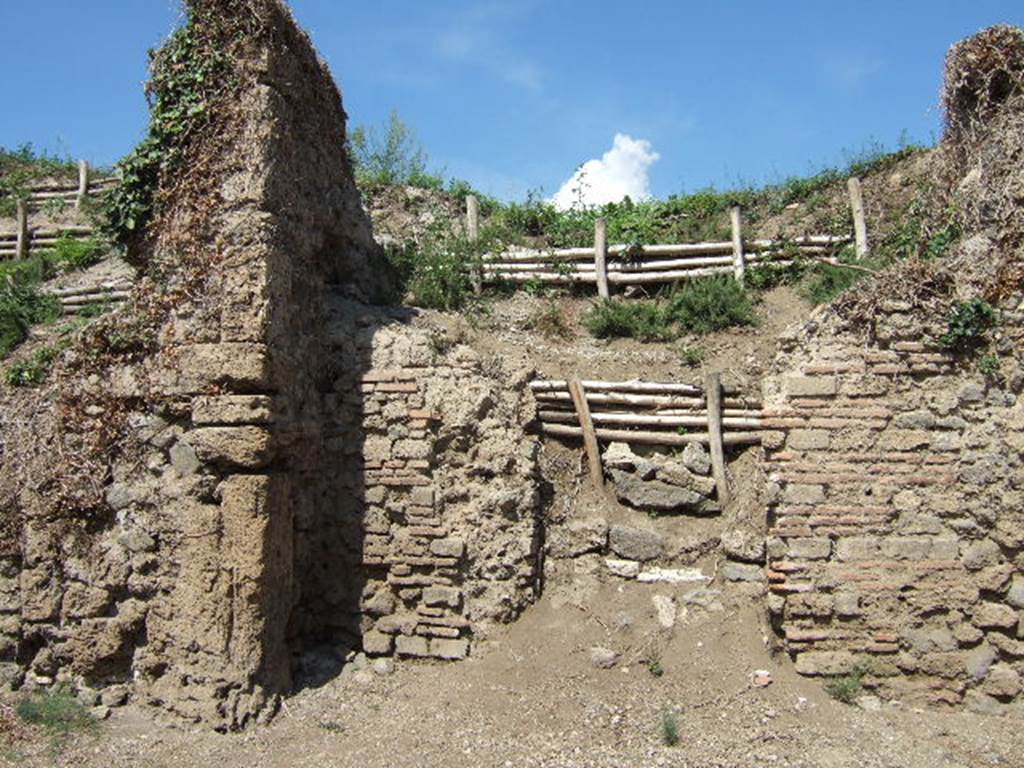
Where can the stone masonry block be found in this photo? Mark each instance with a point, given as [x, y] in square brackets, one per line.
[448, 596]
[818, 548]
[231, 410]
[798, 493]
[449, 649]
[811, 386]
[808, 440]
[448, 547]
[858, 548]
[406, 645]
[247, 447]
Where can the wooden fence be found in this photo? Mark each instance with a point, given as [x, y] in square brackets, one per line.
[649, 413]
[18, 245]
[70, 193]
[74, 300]
[604, 266]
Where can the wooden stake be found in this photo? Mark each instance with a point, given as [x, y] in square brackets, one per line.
[579, 399]
[83, 184]
[473, 235]
[860, 227]
[21, 248]
[601, 256]
[738, 262]
[713, 390]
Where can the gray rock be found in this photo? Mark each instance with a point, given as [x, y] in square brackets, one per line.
[979, 661]
[982, 704]
[100, 713]
[137, 541]
[635, 543]
[603, 658]
[119, 496]
[383, 667]
[654, 495]
[184, 459]
[577, 537]
[696, 459]
[981, 553]
[742, 572]
[114, 696]
[1015, 596]
[745, 546]
[619, 456]
[676, 474]
[87, 697]
[11, 676]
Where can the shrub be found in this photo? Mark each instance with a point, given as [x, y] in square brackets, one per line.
[437, 272]
[710, 304]
[550, 321]
[77, 253]
[390, 155]
[621, 318]
[824, 282]
[967, 324]
[21, 306]
[845, 688]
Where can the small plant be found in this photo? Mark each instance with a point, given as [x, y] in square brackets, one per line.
[990, 367]
[57, 712]
[76, 253]
[845, 688]
[669, 729]
[967, 325]
[21, 307]
[653, 665]
[691, 356]
[32, 371]
[93, 310]
[621, 318]
[711, 304]
[550, 321]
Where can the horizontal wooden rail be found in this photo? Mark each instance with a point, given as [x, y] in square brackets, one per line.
[651, 438]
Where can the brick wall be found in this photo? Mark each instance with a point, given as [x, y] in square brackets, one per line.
[896, 514]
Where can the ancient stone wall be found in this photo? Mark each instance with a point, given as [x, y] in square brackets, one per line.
[429, 532]
[896, 492]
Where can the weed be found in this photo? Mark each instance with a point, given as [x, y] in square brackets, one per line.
[76, 253]
[32, 371]
[57, 712]
[990, 367]
[93, 310]
[654, 667]
[550, 321]
[967, 325]
[20, 167]
[331, 726]
[691, 356]
[669, 729]
[845, 688]
[22, 306]
[825, 282]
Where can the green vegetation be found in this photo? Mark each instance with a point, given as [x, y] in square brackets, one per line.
[550, 321]
[437, 274]
[24, 165]
[389, 156]
[653, 665]
[32, 371]
[691, 356]
[696, 306]
[846, 688]
[968, 324]
[185, 75]
[669, 729]
[57, 712]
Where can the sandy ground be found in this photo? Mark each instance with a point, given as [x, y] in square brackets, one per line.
[532, 697]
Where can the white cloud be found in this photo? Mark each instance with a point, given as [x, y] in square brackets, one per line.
[621, 171]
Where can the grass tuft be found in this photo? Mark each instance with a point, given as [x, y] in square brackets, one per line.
[669, 729]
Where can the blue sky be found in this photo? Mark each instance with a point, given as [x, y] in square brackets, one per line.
[514, 94]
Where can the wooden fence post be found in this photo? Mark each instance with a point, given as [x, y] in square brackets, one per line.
[601, 256]
[713, 393]
[739, 265]
[83, 184]
[21, 248]
[473, 235]
[579, 400]
[860, 227]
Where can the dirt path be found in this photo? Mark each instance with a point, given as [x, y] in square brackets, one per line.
[532, 697]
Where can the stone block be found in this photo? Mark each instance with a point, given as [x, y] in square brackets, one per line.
[742, 572]
[808, 440]
[423, 497]
[847, 605]
[451, 649]
[818, 548]
[448, 547]
[811, 386]
[577, 537]
[199, 367]
[412, 645]
[448, 596]
[635, 543]
[858, 548]
[231, 410]
[799, 493]
[994, 616]
[745, 546]
[233, 447]
[1002, 681]
[982, 553]
[907, 547]
[377, 643]
[979, 661]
